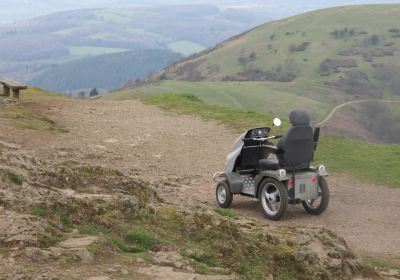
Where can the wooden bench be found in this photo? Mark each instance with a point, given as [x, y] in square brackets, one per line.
[9, 86]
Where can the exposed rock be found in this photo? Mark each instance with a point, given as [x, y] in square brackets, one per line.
[78, 242]
[130, 201]
[156, 272]
[82, 254]
[17, 229]
[9, 145]
[36, 254]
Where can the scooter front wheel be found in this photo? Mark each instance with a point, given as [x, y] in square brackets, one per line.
[273, 198]
[224, 194]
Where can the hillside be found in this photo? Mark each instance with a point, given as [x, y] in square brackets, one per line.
[340, 48]
[316, 61]
[109, 199]
[104, 72]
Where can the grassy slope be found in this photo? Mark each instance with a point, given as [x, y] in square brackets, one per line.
[308, 90]
[270, 43]
[361, 160]
[27, 116]
[263, 97]
[313, 27]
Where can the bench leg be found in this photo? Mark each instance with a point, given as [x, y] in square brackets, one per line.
[16, 93]
[6, 91]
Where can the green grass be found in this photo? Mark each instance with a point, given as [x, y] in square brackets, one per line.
[185, 47]
[136, 242]
[270, 42]
[375, 163]
[191, 105]
[79, 51]
[93, 229]
[16, 178]
[65, 220]
[368, 162]
[226, 212]
[375, 262]
[141, 239]
[268, 98]
[39, 211]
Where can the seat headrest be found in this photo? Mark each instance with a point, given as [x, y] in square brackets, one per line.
[299, 117]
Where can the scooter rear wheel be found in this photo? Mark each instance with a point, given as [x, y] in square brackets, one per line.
[223, 194]
[319, 205]
[273, 198]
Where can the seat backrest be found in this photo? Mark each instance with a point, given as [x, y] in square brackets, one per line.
[297, 146]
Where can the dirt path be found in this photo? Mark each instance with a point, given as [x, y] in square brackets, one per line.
[334, 110]
[155, 144]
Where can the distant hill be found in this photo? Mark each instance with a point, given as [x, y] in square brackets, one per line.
[31, 47]
[105, 72]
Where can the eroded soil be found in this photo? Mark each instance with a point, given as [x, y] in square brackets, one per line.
[144, 140]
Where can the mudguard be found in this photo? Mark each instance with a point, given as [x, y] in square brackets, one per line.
[234, 181]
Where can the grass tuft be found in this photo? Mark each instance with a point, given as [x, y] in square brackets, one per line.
[142, 239]
[39, 211]
[93, 229]
[65, 220]
[226, 212]
[16, 178]
[136, 242]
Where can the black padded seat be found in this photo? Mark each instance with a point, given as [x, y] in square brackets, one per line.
[268, 164]
[297, 146]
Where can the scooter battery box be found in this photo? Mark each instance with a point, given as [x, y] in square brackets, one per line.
[306, 185]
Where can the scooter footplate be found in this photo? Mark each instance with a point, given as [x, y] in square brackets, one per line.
[249, 185]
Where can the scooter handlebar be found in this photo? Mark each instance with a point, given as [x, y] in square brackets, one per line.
[268, 138]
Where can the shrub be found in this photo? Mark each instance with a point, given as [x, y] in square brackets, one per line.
[372, 40]
[299, 48]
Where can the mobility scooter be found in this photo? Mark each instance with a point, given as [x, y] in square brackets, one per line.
[276, 181]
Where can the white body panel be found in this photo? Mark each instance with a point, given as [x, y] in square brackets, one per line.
[235, 152]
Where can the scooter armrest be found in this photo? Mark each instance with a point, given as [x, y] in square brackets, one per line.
[272, 149]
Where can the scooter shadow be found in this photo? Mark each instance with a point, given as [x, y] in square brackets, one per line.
[252, 209]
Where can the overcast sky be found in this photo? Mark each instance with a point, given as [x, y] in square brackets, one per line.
[13, 10]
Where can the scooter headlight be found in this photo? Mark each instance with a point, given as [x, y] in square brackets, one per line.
[321, 169]
[282, 173]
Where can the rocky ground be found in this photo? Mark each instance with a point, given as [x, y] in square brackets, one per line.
[120, 190]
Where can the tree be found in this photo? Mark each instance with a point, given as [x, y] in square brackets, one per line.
[93, 92]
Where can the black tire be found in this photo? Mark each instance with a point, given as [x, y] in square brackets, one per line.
[270, 186]
[323, 186]
[224, 203]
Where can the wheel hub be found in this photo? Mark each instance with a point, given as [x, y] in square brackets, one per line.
[221, 194]
[270, 199]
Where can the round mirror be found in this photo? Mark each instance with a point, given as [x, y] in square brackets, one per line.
[277, 122]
